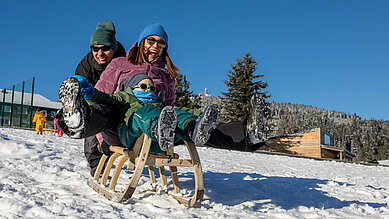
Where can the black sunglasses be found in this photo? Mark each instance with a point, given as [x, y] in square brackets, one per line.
[103, 48]
[146, 86]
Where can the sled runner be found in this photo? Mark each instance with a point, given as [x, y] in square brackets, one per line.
[137, 160]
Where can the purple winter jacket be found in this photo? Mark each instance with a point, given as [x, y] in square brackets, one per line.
[120, 68]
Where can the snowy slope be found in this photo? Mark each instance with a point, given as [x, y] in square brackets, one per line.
[45, 177]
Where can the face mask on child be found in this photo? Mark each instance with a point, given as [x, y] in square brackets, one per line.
[146, 97]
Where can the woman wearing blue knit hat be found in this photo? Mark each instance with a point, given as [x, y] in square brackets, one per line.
[152, 44]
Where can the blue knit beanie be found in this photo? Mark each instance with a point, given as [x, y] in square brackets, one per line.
[153, 29]
[135, 79]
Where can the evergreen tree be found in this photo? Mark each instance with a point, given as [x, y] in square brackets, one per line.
[184, 97]
[242, 85]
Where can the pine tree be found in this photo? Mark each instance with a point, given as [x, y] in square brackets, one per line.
[242, 85]
[184, 97]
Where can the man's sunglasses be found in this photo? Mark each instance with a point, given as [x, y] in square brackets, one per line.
[103, 48]
[146, 86]
[161, 44]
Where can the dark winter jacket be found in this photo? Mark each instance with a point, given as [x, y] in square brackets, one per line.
[120, 69]
[91, 70]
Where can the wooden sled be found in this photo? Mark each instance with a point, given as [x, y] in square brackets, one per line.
[50, 132]
[137, 159]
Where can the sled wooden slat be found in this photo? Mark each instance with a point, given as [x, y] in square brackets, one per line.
[120, 150]
[108, 167]
[138, 170]
[137, 160]
[116, 173]
[100, 167]
[153, 180]
[173, 171]
[162, 176]
[50, 132]
[168, 162]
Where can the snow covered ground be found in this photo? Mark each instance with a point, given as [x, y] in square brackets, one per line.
[384, 162]
[46, 177]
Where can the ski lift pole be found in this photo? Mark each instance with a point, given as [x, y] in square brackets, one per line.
[21, 106]
[2, 107]
[32, 100]
[12, 105]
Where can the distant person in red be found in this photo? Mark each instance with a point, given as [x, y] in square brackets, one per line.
[39, 120]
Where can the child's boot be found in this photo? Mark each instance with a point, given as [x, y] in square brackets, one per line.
[205, 123]
[164, 128]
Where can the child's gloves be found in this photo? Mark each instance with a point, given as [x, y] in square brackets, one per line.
[87, 88]
[104, 147]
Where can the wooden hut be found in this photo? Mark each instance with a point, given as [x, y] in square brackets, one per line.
[314, 143]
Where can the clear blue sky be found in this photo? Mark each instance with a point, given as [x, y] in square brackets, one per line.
[331, 54]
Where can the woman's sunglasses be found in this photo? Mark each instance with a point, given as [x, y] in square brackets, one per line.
[103, 48]
[161, 44]
[146, 86]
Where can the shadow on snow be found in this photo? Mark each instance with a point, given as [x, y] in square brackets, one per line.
[286, 192]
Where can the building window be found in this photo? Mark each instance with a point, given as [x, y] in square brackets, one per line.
[44, 112]
[5, 121]
[327, 139]
[7, 109]
[18, 109]
[53, 114]
[25, 110]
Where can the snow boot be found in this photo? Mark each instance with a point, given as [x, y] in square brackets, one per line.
[74, 107]
[257, 129]
[164, 129]
[205, 123]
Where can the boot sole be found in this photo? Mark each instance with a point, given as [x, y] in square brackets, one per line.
[258, 130]
[167, 123]
[69, 95]
[208, 122]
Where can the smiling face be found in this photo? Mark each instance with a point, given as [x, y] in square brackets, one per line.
[102, 57]
[153, 47]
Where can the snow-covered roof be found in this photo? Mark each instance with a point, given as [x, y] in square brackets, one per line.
[38, 99]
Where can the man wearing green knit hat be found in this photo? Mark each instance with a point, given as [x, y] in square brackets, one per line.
[104, 35]
[103, 42]
[104, 48]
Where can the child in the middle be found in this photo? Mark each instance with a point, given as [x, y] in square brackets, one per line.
[143, 112]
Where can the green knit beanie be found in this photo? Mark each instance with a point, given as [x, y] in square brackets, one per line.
[104, 35]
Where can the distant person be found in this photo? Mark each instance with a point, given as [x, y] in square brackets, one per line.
[103, 49]
[39, 120]
[142, 112]
[56, 127]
